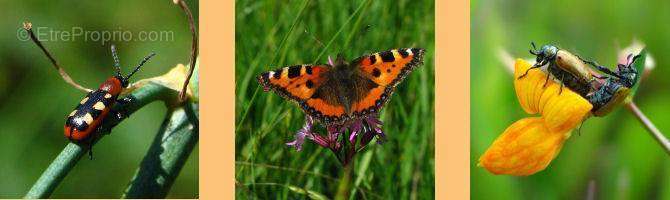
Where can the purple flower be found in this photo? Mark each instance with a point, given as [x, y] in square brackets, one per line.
[360, 131]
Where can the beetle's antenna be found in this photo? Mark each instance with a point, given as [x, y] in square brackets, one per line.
[140, 65]
[534, 50]
[117, 63]
[634, 58]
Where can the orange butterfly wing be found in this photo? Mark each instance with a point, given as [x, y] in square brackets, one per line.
[376, 78]
[298, 84]
[386, 69]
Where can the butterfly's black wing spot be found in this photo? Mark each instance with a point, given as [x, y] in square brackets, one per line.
[388, 70]
[416, 51]
[373, 59]
[376, 73]
[403, 53]
[277, 73]
[308, 69]
[387, 56]
[294, 71]
[309, 84]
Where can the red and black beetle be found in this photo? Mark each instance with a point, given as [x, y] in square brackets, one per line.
[87, 118]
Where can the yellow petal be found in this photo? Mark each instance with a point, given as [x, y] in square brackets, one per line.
[526, 147]
[563, 110]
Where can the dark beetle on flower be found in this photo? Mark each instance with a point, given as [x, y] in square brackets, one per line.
[615, 89]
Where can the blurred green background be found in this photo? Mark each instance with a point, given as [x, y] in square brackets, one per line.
[34, 100]
[272, 34]
[614, 153]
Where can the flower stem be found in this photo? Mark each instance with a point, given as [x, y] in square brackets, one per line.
[651, 128]
[168, 153]
[344, 186]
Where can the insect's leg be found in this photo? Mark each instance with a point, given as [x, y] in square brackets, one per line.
[526, 73]
[592, 63]
[579, 130]
[607, 71]
[599, 77]
[546, 81]
[561, 88]
[90, 149]
[122, 113]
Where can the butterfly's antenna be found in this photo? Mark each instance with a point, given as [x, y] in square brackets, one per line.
[359, 36]
[315, 39]
[117, 63]
[141, 63]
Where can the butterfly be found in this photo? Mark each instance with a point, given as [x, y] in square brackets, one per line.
[336, 93]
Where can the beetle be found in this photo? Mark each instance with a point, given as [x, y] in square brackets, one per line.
[570, 69]
[615, 89]
[87, 118]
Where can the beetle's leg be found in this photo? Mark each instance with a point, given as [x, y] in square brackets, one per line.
[90, 152]
[117, 114]
[579, 130]
[560, 90]
[90, 145]
[526, 73]
[608, 71]
[122, 113]
[592, 63]
[546, 81]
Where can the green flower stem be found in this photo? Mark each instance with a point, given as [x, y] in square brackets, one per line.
[344, 187]
[167, 155]
[71, 154]
[651, 128]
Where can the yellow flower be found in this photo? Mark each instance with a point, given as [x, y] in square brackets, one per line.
[530, 144]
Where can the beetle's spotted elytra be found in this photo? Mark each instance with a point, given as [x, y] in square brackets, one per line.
[87, 118]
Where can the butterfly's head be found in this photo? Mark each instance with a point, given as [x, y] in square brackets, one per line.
[340, 62]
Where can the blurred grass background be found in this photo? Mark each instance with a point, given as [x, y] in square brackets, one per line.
[614, 153]
[272, 34]
[34, 100]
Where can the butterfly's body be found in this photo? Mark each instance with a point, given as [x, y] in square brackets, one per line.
[338, 93]
[344, 85]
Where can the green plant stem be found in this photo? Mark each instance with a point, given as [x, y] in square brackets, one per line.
[344, 187]
[651, 128]
[167, 155]
[71, 154]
